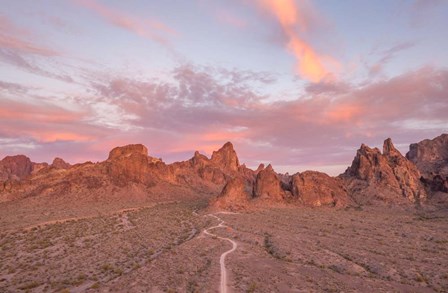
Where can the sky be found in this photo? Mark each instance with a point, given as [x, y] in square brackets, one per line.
[300, 84]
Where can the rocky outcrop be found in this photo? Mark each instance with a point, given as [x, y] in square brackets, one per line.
[15, 167]
[388, 176]
[315, 189]
[129, 164]
[59, 163]
[128, 151]
[431, 158]
[37, 167]
[268, 185]
[226, 158]
[234, 196]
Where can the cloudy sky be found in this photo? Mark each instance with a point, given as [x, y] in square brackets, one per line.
[300, 84]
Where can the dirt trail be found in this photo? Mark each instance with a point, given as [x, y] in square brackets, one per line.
[222, 259]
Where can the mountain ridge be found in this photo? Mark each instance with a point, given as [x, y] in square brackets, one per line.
[373, 176]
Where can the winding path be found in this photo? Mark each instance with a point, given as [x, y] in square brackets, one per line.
[222, 259]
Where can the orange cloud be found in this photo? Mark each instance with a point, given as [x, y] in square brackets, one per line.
[309, 63]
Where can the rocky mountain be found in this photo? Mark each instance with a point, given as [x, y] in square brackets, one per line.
[130, 171]
[431, 158]
[387, 176]
[127, 167]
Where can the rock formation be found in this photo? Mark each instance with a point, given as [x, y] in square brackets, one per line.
[373, 174]
[226, 158]
[234, 196]
[313, 188]
[268, 185]
[59, 163]
[431, 158]
[388, 176]
[129, 163]
[15, 167]
[37, 167]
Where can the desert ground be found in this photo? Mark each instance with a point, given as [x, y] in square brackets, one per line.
[164, 247]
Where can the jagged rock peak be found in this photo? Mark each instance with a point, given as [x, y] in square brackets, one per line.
[197, 155]
[389, 149]
[59, 163]
[390, 172]
[268, 185]
[260, 167]
[128, 150]
[199, 159]
[226, 157]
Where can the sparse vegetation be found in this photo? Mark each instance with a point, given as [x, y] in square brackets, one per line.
[277, 249]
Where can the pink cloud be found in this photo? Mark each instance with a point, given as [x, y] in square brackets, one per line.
[385, 56]
[149, 29]
[21, 40]
[231, 19]
[193, 112]
[23, 49]
[43, 122]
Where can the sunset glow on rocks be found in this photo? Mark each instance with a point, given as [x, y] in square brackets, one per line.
[295, 83]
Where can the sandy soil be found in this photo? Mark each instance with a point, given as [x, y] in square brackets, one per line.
[160, 248]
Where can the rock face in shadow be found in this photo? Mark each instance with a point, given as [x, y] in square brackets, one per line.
[315, 189]
[234, 196]
[387, 176]
[431, 158]
[268, 185]
[15, 167]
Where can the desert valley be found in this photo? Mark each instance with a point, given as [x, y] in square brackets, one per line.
[223, 146]
[135, 224]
